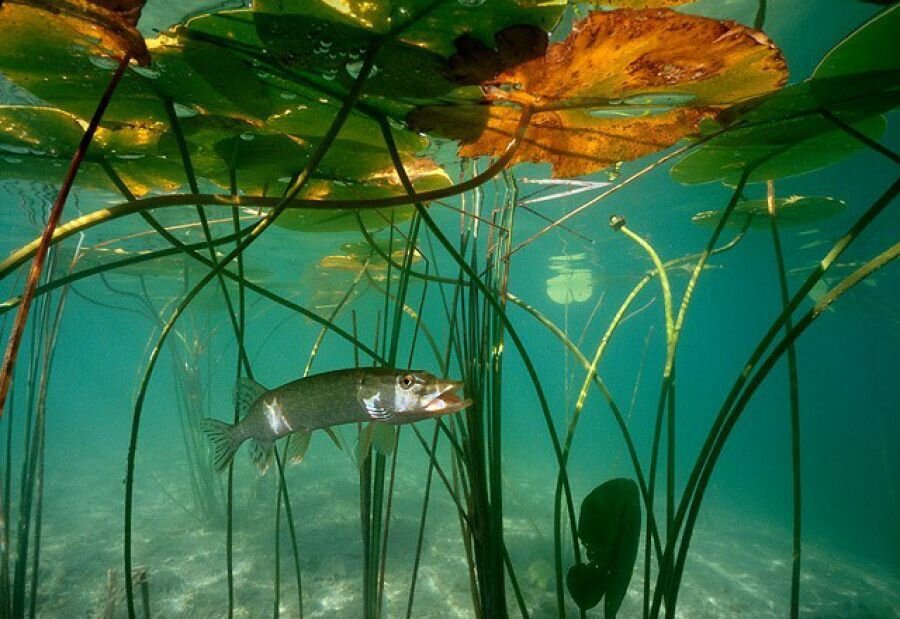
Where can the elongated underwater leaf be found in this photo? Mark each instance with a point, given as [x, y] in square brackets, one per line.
[623, 84]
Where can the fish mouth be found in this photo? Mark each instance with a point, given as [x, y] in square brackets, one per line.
[446, 402]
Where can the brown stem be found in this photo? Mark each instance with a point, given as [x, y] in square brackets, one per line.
[37, 265]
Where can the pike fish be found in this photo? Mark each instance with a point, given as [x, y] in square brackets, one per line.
[382, 395]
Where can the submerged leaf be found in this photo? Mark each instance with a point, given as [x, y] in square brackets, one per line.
[623, 84]
[792, 211]
[609, 526]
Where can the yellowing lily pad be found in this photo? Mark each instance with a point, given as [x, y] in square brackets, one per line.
[623, 84]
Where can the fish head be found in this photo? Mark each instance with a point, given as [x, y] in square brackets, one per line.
[404, 396]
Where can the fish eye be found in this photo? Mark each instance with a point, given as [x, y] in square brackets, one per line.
[407, 381]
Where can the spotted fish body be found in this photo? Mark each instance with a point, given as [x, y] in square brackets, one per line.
[382, 395]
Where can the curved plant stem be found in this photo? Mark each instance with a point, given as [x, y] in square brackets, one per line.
[617, 413]
[664, 396]
[892, 253]
[667, 395]
[501, 315]
[669, 578]
[254, 234]
[859, 135]
[140, 205]
[37, 265]
[624, 183]
[794, 395]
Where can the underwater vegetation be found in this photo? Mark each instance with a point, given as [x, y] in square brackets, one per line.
[380, 170]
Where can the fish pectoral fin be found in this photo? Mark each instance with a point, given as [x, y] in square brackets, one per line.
[384, 438]
[261, 454]
[364, 443]
[298, 443]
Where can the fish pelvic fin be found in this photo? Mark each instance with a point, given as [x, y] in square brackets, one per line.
[225, 440]
[246, 392]
[298, 443]
[261, 454]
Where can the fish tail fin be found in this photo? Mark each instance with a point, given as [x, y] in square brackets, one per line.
[261, 454]
[225, 440]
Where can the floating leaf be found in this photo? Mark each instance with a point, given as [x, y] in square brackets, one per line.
[427, 24]
[623, 84]
[572, 283]
[609, 527]
[792, 211]
[573, 287]
[639, 4]
[106, 26]
[44, 139]
[866, 50]
[355, 255]
[787, 134]
[423, 173]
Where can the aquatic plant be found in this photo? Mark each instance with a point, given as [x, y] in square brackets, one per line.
[324, 117]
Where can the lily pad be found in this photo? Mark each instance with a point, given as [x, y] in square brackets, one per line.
[791, 211]
[37, 143]
[787, 134]
[624, 84]
[609, 527]
[354, 255]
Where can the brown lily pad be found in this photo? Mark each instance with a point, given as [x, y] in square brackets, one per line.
[624, 84]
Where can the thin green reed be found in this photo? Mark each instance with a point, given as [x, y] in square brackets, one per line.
[669, 577]
[242, 356]
[794, 401]
[261, 226]
[33, 436]
[497, 308]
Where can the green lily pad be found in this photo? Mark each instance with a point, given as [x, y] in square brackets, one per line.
[427, 24]
[863, 51]
[37, 143]
[792, 211]
[609, 527]
[787, 134]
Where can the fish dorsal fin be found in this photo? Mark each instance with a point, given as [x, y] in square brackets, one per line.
[261, 455]
[246, 392]
[298, 443]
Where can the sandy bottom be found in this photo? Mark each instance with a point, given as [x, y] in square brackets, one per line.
[738, 568]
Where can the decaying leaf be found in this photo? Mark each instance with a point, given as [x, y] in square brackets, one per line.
[624, 84]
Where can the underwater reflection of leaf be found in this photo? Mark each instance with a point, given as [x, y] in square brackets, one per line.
[624, 84]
